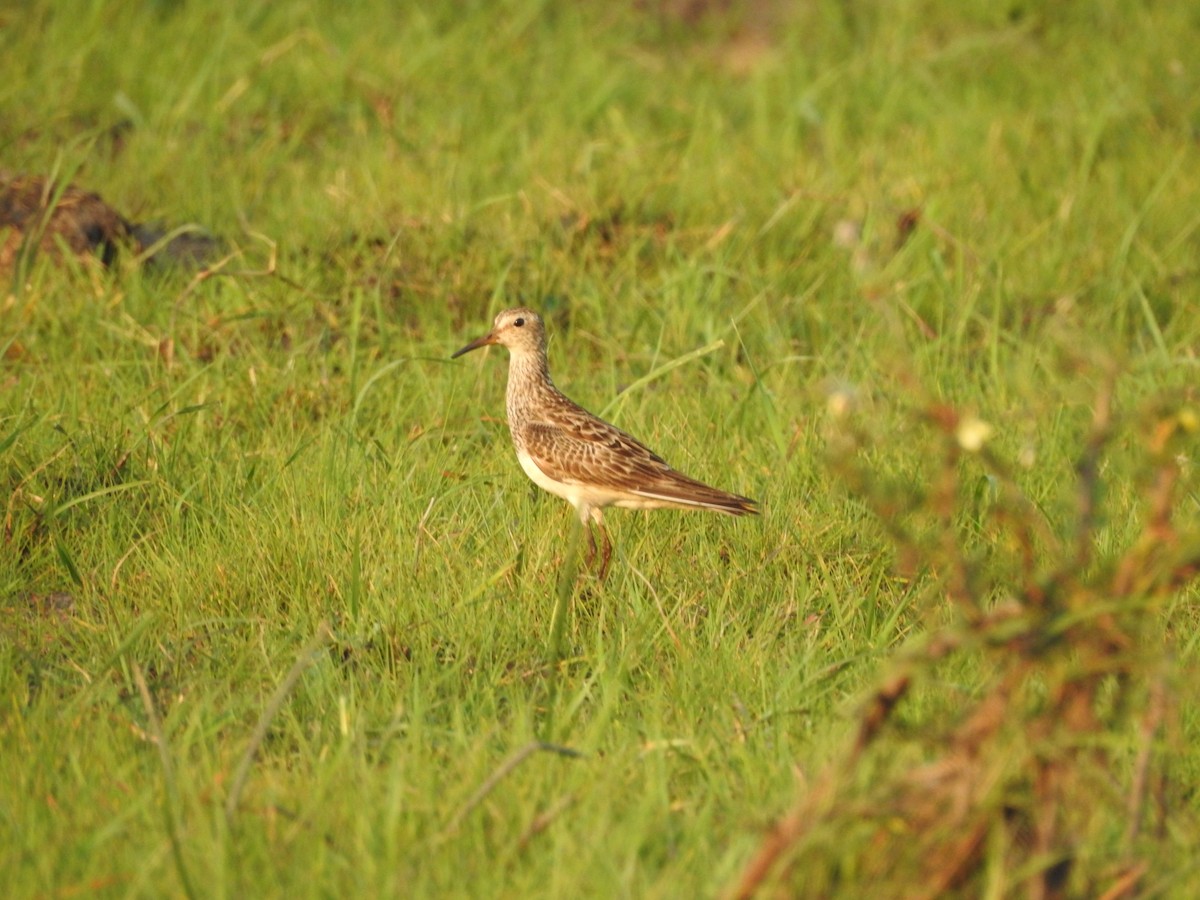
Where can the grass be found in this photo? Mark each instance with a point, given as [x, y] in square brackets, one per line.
[258, 523]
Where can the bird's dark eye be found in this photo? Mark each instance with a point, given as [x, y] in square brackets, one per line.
[518, 322]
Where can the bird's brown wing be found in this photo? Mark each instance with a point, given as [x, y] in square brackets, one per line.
[580, 449]
[588, 451]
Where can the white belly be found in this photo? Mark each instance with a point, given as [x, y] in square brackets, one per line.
[589, 499]
[584, 498]
[569, 492]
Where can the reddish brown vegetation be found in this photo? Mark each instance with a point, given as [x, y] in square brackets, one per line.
[1010, 785]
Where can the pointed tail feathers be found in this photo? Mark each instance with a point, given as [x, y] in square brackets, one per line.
[687, 493]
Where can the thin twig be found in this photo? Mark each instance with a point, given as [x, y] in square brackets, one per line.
[786, 834]
[544, 820]
[1127, 884]
[502, 772]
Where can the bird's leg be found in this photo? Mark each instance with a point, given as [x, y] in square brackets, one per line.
[591, 555]
[607, 554]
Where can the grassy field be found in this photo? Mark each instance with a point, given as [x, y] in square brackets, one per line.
[276, 601]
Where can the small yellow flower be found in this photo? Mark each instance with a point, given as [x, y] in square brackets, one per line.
[840, 399]
[972, 433]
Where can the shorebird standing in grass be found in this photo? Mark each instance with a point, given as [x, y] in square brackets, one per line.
[573, 454]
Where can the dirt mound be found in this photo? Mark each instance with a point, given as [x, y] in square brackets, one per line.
[38, 215]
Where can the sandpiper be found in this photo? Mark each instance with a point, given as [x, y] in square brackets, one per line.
[575, 455]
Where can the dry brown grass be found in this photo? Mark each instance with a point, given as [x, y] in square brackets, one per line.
[998, 793]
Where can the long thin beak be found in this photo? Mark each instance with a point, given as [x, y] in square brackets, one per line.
[475, 345]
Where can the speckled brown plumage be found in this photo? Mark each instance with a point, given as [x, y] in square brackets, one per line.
[583, 459]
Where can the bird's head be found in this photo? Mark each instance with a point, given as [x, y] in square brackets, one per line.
[520, 330]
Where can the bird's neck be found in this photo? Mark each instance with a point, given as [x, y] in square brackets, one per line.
[528, 382]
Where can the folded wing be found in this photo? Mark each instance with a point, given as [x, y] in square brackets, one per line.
[585, 450]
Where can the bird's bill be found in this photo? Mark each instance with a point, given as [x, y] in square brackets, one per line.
[475, 345]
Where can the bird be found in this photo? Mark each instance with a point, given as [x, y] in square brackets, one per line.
[575, 455]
